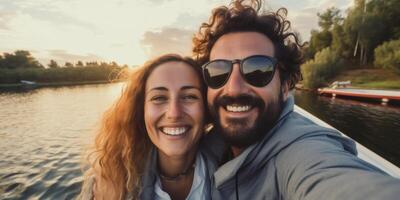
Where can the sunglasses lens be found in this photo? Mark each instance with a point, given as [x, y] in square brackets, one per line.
[216, 73]
[258, 70]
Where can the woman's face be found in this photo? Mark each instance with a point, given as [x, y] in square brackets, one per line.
[173, 108]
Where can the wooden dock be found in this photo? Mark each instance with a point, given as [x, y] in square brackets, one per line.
[382, 95]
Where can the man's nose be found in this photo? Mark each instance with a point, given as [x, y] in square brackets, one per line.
[174, 110]
[236, 84]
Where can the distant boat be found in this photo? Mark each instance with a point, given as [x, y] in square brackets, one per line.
[28, 82]
[337, 84]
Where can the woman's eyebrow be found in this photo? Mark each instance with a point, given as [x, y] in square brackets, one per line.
[161, 88]
[189, 87]
[158, 88]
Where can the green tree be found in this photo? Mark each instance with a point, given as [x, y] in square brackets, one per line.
[318, 71]
[68, 64]
[369, 24]
[339, 43]
[92, 64]
[319, 41]
[53, 64]
[387, 55]
[79, 64]
[389, 11]
[19, 59]
[1, 62]
[324, 38]
[328, 18]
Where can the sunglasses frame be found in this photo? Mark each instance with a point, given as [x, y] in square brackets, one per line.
[240, 62]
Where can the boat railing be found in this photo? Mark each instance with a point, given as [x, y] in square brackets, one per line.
[363, 152]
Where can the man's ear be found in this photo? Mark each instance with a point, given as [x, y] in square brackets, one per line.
[285, 90]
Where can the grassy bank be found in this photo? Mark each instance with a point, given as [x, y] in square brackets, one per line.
[370, 78]
[55, 84]
[12, 77]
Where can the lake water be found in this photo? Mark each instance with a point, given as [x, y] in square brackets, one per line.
[42, 136]
[375, 126]
[43, 133]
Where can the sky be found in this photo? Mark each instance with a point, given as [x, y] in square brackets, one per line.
[126, 31]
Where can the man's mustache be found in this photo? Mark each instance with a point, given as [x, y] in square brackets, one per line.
[243, 99]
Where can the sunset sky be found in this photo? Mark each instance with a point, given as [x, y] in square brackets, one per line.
[125, 31]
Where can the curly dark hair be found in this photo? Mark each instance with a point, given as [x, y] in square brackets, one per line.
[241, 17]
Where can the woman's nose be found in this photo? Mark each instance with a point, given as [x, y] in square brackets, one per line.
[174, 109]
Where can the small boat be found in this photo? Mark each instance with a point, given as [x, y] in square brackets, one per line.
[363, 152]
[28, 82]
[337, 84]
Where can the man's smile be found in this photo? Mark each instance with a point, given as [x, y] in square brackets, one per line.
[237, 111]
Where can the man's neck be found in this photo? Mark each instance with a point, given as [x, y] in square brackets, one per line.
[231, 153]
[236, 151]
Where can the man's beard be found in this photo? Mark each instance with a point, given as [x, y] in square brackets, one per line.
[239, 133]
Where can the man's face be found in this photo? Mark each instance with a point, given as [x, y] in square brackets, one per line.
[244, 113]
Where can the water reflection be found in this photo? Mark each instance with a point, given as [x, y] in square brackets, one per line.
[42, 135]
[374, 125]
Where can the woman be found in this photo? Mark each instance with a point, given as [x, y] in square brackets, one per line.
[147, 145]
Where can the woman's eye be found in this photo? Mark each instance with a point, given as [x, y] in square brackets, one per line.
[190, 97]
[158, 99]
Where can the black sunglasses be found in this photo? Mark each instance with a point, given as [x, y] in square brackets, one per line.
[257, 70]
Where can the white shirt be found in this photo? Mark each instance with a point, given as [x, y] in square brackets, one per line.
[199, 190]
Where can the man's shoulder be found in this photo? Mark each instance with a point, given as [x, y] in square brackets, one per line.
[296, 126]
[295, 121]
[304, 136]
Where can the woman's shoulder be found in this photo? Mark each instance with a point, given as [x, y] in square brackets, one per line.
[87, 188]
[95, 187]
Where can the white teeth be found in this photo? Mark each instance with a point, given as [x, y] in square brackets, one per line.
[174, 131]
[236, 108]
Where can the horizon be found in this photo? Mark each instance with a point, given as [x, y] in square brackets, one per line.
[122, 30]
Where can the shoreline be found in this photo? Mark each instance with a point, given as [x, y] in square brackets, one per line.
[56, 84]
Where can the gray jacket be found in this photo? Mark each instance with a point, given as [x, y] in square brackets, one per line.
[298, 159]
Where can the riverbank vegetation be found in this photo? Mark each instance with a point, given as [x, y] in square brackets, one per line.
[367, 38]
[22, 66]
[373, 78]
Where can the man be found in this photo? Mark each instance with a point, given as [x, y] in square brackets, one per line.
[250, 62]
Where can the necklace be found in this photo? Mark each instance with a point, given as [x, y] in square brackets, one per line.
[178, 176]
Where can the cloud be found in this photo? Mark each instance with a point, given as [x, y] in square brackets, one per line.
[304, 21]
[303, 14]
[128, 31]
[189, 21]
[54, 12]
[5, 17]
[159, 1]
[168, 40]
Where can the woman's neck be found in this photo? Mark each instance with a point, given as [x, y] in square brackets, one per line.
[177, 174]
[171, 166]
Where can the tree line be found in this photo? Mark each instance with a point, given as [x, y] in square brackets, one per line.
[368, 36]
[21, 65]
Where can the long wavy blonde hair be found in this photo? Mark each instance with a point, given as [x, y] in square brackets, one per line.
[122, 146]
